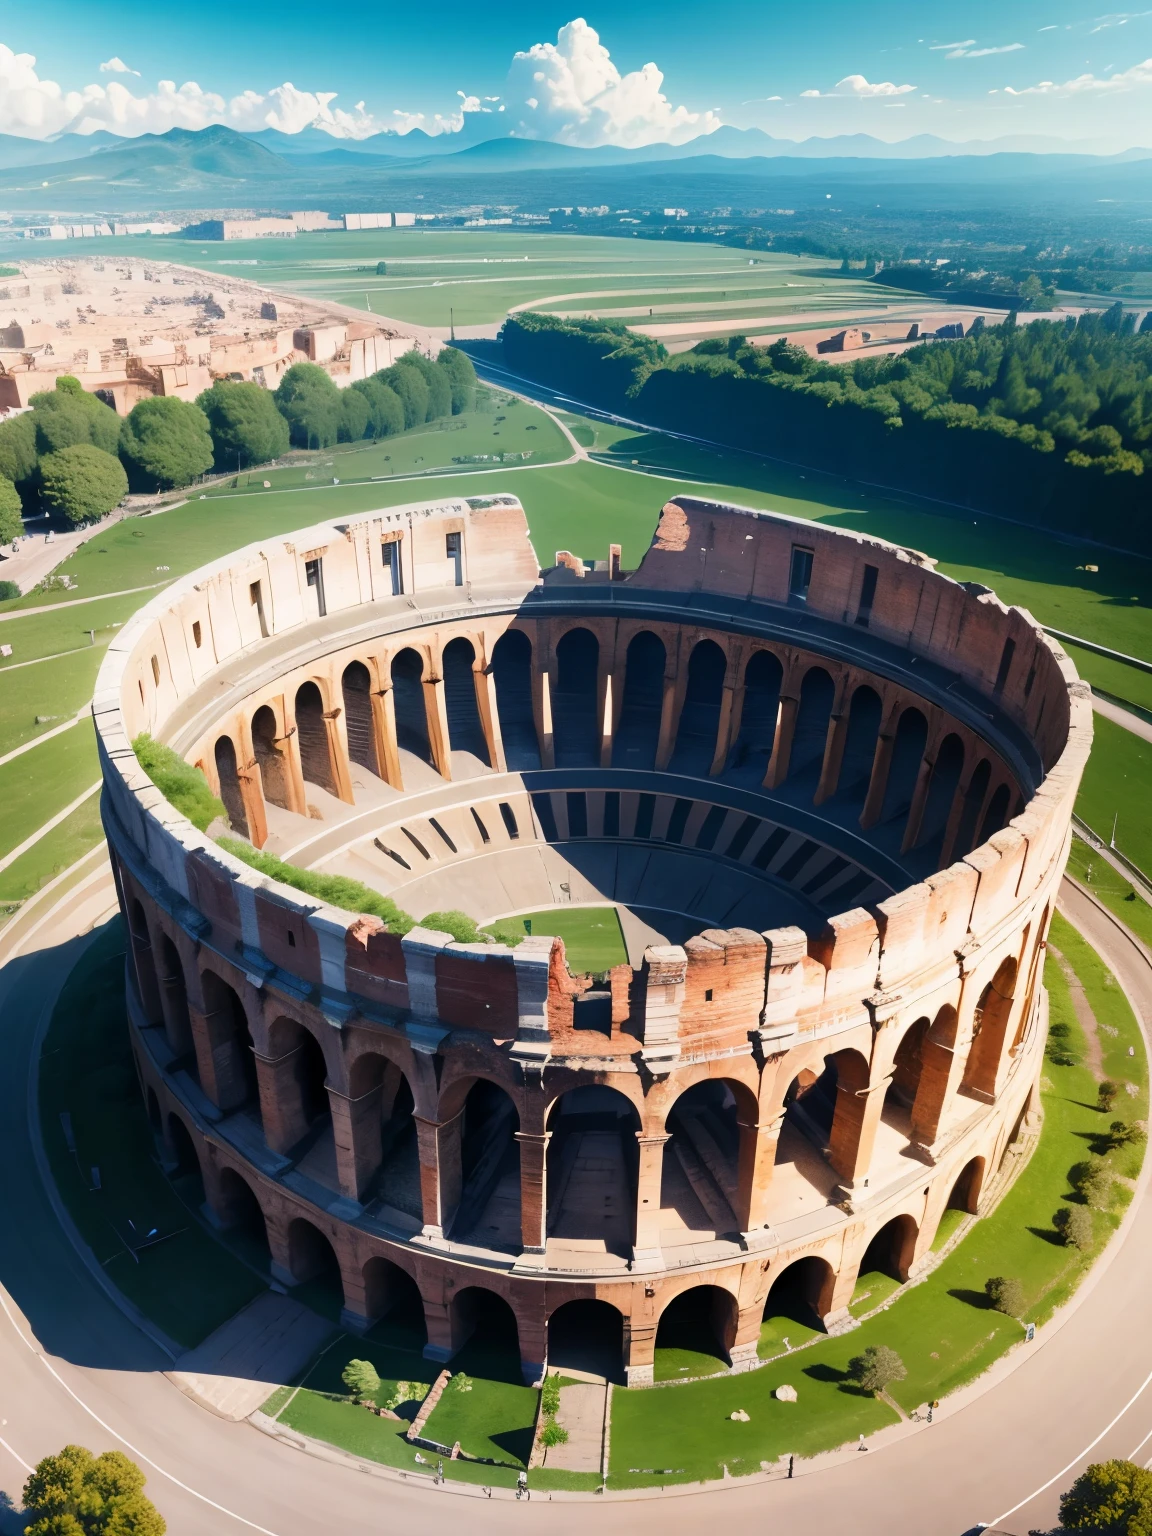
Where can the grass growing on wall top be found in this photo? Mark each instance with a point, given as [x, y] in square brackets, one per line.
[338, 890]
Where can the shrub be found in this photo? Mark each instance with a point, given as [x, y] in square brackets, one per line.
[1074, 1224]
[462, 928]
[460, 1382]
[1006, 1294]
[179, 782]
[82, 482]
[550, 1395]
[245, 425]
[77, 1494]
[1127, 1133]
[355, 416]
[403, 1392]
[553, 1434]
[362, 1380]
[11, 520]
[876, 1368]
[338, 890]
[310, 404]
[1107, 1094]
[165, 442]
[461, 377]
[8, 589]
[1110, 1496]
[1092, 1181]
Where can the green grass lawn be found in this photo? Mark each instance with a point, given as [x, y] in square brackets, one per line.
[43, 780]
[1112, 677]
[188, 1284]
[593, 940]
[1109, 886]
[1115, 788]
[76, 835]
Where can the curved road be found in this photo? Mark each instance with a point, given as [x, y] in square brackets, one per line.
[72, 1367]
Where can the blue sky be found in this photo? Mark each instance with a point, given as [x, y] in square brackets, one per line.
[634, 73]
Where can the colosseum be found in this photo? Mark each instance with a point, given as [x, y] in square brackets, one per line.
[825, 793]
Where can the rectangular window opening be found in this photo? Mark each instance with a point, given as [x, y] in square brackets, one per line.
[197, 637]
[867, 595]
[612, 813]
[542, 805]
[256, 597]
[1005, 666]
[577, 815]
[392, 854]
[800, 576]
[441, 834]
[291, 939]
[391, 554]
[508, 817]
[156, 671]
[480, 827]
[416, 843]
[314, 573]
[677, 821]
[710, 827]
[645, 810]
[707, 994]
[453, 547]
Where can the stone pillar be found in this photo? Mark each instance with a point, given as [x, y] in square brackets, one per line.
[281, 1099]
[534, 1189]
[174, 1002]
[646, 1253]
[919, 799]
[639, 1351]
[881, 767]
[941, 1066]
[728, 723]
[669, 720]
[608, 714]
[665, 969]
[276, 1226]
[252, 799]
[542, 712]
[485, 685]
[836, 741]
[743, 1351]
[338, 756]
[854, 1124]
[756, 1161]
[436, 714]
[218, 1058]
[441, 1177]
[289, 746]
[384, 731]
[357, 1130]
[782, 742]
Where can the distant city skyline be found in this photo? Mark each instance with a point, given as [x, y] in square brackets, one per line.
[631, 76]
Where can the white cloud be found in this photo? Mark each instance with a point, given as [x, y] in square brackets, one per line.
[982, 53]
[571, 91]
[939, 47]
[1118, 19]
[856, 85]
[116, 66]
[1052, 28]
[1089, 84]
[812, 93]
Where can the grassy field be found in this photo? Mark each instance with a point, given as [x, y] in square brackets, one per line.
[41, 781]
[592, 937]
[1110, 887]
[1111, 791]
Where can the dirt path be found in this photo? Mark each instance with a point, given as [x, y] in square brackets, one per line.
[1094, 1058]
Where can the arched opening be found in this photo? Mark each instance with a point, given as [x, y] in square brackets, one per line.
[408, 701]
[314, 1267]
[965, 1194]
[904, 768]
[859, 746]
[485, 1337]
[356, 689]
[810, 1103]
[384, 1135]
[942, 787]
[812, 716]
[973, 799]
[641, 704]
[512, 671]
[243, 1219]
[230, 1048]
[587, 1336]
[312, 736]
[392, 1297]
[758, 716]
[797, 1303]
[489, 1210]
[147, 985]
[299, 1073]
[701, 1173]
[891, 1250]
[593, 1159]
[176, 993]
[575, 728]
[185, 1175]
[989, 1028]
[228, 775]
[997, 813]
[700, 712]
[937, 1060]
[155, 1120]
[906, 1069]
[273, 763]
[465, 732]
[696, 1332]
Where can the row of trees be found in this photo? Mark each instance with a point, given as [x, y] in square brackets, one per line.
[73, 452]
[1062, 409]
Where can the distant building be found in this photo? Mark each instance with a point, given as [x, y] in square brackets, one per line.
[844, 341]
[404, 220]
[241, 229]
[367, 221]
[310, 219]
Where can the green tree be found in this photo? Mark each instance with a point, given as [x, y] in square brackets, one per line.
[1107, 1094]
[386, 410]
[362, 1379]
[82, 482]
[77, 1494]
[876, 1368]
[438, 382]
[355, 416]
[310, 403]
[1006, 1294]
[18, 448]
[1113, 1496]
[409, 384]
[1092, 1181]
[1074, 1224]
[461, 377]
[381, 269]
[1127, 1133]
[68, 415]
[11, 522]
[245, 425]
[165, 442]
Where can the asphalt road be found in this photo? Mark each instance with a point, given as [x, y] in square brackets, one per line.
[72, 1367]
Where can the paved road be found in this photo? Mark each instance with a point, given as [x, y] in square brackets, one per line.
[79, 1370]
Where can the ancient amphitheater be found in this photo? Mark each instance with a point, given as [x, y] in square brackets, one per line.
[827, 790]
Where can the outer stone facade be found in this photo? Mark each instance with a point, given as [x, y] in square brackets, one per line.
[829, 790]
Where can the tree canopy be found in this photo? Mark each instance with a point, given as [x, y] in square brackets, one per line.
[461, 377]
[68, 415]
[386, 411]
[18, 448]
[876, 1368]
[438, 382]
[245, 425]
[355, 416]
[165, 442]
[409, 384]
[11, 522]
[310, 403]
[77, 1494]
[82, 482]
[1111, 1496]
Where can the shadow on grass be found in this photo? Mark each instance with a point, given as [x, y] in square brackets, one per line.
[978, 1299]
[1047, 1235]
[829, 1375]
[516, 1443]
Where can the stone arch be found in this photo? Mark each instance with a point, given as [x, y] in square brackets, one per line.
[965, 1192]
[312, 1258]
[241, 1215]
[411, 711]
[904, 768]
[274, 771]
[575, 726]
[802, 1291]
[935, 1081]
[864, 719]
[947, 771]
[172, 980]
[699, 723]
[294, 1101]
[701, 1319]
[465, 731]
[391, 1293]
[997, 813]
[489, 1172]
[356, 692]
[228, 1070]
[641, 702]
[186, 1170]
[312, 736]
[483, 1319]
[148, 986]
[228, 777]
[702, 1163]
[817, 693]
[587, 1336]
[763, 677]
[892, 1249]
[989, 1029]
[828, 1107]
[907, 1064]
[512, 672]
[965, 839]
[593, 1129]
[383, 1133]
